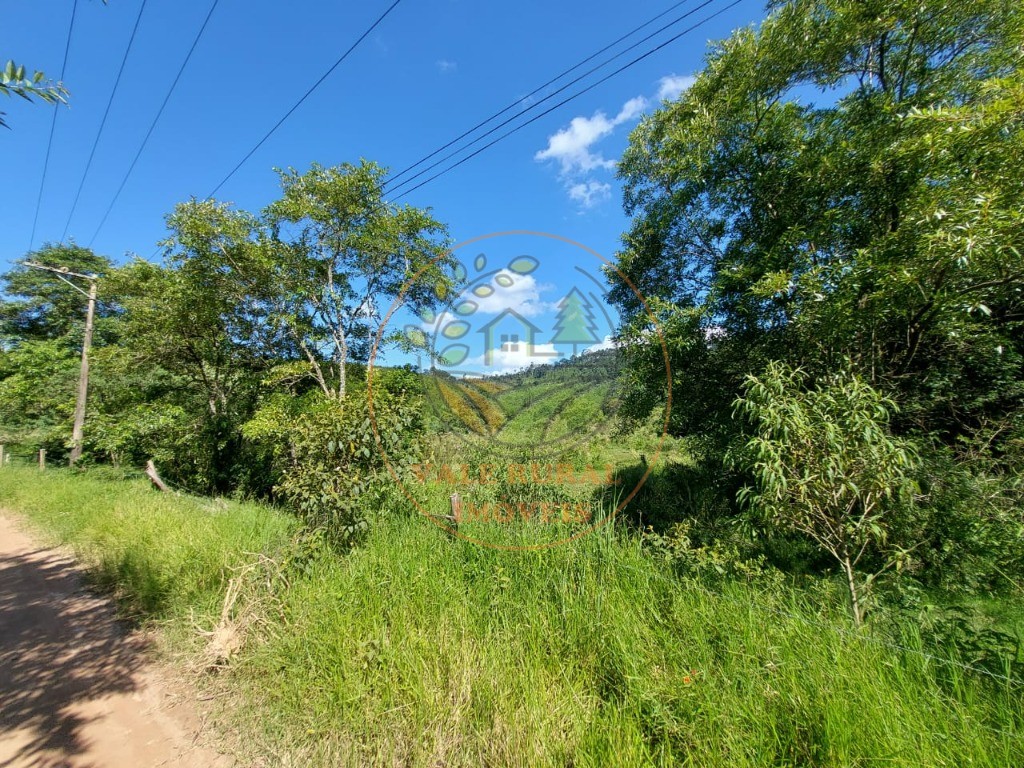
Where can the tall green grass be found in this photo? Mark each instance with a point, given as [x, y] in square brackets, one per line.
[160, 554]
[420, 649]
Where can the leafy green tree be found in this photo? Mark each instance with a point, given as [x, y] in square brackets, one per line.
[339, 256]
[39, 305]
[37, 394]
[879, 221]
[195, 320]
[826, 466]
[342, 459]
[42, 319]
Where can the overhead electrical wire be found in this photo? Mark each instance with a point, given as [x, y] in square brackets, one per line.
[533, 119]
[103, 122]
[538, 89]
[579, 93]
[156, 119]
[305, 96]
[53, 125]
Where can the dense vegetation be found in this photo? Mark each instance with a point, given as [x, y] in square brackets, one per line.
[418, 650]
[825, 563]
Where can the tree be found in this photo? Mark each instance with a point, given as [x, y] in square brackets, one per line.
[338, 254]
[575, 323]
[15, 81]
[879, 222]
[826, 466]
[40, 305]
[42, 319]
[194, 319]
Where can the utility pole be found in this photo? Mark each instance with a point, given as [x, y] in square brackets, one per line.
[83, 375]
[83, 378]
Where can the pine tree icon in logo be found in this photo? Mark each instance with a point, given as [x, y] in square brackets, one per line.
[575, 322]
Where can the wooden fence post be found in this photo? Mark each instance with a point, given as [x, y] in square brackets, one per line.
[42, 459]
[1, 455]
[456, 509]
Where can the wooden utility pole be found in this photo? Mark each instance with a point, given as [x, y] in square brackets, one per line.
[83, 376]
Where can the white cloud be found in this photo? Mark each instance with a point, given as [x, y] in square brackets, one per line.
[590, 193]
[446, 66]
[522, 296]
[508, 361]
[571, 147]
[631, 110]
[605, 343]
[671, 86]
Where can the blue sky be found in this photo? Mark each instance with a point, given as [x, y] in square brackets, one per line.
[431, 70]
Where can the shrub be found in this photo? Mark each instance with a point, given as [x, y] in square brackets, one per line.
[826, 466]
[341, 456]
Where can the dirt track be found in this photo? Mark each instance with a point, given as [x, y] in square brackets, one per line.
[76, 689]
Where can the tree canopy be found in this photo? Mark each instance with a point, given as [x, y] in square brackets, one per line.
[841, 182]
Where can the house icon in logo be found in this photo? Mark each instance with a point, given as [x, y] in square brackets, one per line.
[510, 332]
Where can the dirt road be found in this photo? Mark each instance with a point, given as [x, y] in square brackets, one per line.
[77, 690]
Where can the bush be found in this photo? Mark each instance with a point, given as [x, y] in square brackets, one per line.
[342, 458]
[827, 466]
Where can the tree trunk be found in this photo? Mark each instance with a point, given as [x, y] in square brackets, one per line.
[342, 352]
[851, 582]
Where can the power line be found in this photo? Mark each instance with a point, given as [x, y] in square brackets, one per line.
[156, 119]
[550, 82]
[579, 93]
[103, 122]
[53, 125]
[305, 96]
[604, 79]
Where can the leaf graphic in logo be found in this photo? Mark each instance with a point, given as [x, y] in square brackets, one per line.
[505, 281]
[455, 329]
[416, 336]
[454, 354]
[465, 308]
[483, 291]
[480, 262]
[524, 265]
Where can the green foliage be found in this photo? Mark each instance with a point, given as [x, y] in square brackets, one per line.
[970, 523]
[340, 460]
[161, 555]
[39, 305]
[415, 648]
[826, 466]
[336, 255]
[15, 81]
[37, 395]
[879, 222]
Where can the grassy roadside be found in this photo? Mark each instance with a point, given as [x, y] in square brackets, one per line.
[418, 650]
[162, 556]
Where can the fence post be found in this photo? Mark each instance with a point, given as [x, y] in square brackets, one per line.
[456, 509]
[1, 455]
[42, 458]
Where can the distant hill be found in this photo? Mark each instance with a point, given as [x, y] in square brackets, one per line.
[548, 403]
